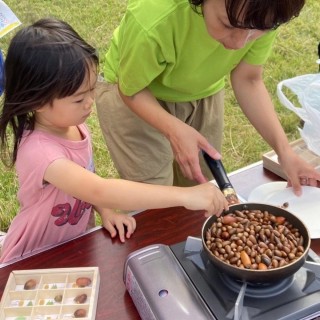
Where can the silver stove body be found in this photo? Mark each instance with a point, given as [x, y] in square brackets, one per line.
[176, 282]
[159, 287]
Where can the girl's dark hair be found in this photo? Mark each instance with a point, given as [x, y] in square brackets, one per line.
[45, 61]
[258, 14]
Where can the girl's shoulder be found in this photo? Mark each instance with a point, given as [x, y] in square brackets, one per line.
[40, 144]
[38, 149]
[39, 138]
[36, 139]
[35, 148]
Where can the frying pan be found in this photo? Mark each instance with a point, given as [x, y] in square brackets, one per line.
[250, 275]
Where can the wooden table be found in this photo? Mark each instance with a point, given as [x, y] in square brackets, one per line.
[96, 248]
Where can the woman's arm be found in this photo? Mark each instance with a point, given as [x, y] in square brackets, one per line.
[185, 141]
[256, 104]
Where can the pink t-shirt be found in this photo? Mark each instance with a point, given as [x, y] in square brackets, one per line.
[47, 215]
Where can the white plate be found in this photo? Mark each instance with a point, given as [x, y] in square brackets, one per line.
[306, 207]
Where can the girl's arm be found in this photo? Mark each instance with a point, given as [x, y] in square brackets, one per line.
[127, 195]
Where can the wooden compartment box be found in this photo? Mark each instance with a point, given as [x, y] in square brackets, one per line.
[51, 294]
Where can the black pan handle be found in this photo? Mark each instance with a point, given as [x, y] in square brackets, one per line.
[219, 173]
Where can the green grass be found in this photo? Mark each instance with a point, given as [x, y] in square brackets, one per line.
[295, 53]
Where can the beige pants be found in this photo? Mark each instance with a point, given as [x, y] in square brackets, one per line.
[139, 151]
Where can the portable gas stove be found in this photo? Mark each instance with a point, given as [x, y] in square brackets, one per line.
[179, 282]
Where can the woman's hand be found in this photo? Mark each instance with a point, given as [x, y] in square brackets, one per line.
[186, 144]
[118, 223]
[185, 141]
[299, 172]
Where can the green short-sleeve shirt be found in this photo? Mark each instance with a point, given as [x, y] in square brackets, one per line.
[164, 45]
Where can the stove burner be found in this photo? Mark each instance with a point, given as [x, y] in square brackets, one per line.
[257, 290]
[296, 297]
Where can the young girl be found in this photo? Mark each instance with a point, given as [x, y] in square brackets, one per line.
[50, 78]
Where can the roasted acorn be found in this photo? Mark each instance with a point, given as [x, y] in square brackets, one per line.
[30, 284]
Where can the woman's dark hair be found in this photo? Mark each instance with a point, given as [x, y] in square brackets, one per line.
[258, 14]
[45, 61]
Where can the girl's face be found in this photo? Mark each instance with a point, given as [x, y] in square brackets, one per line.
[69, 111]
[219, 28]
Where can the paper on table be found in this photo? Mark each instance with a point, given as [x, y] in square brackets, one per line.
[306, 207]
[8, 20]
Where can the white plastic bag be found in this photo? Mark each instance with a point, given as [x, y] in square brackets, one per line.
[307, 90]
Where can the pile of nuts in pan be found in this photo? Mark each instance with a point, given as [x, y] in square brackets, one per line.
[254, 239]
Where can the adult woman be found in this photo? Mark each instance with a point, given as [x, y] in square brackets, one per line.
[165, 71]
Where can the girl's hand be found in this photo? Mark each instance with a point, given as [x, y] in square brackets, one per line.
[116, 223]
[206, 197]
